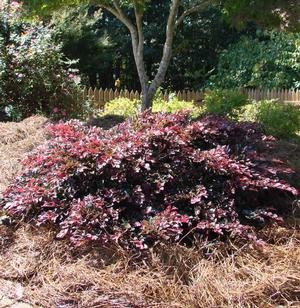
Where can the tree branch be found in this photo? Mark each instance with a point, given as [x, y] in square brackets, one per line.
[117, 12]
[191, 10]
[137, 36]
[140, 48]
[139, 24]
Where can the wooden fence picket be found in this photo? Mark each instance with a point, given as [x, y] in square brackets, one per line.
[137, 95]
[131, 95]
[179, 95]
[101, 96]
[106, 95]
[165, 96]
[110, 95]
[96, 98]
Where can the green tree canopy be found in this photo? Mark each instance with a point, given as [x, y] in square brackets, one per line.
[271, 60]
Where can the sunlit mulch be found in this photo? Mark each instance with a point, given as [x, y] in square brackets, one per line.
[15, 140]
[45, 273]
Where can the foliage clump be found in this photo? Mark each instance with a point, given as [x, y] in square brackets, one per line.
[131, 108]
[278, 119]
[161, 177]
[34, 75]
[122, 107]
[269, 61]
[174, 105]
[224, 102]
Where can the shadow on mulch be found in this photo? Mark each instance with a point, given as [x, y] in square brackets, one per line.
[288, 151]
[106, 122]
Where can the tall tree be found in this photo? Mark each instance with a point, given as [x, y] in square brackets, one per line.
[178, 11]
[101, 45]
[131, 14]
[137, 37]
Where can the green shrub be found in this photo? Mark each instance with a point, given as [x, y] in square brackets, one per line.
[224, 101]
[34, 74]
[122, 107]
[271, 60]
[278, 119]
[173, 105]
[127, 108]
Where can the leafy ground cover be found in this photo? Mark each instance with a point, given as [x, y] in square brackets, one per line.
[123, 186]
[43, 272]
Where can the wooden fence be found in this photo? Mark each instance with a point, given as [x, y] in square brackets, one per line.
[99, 96]
[283, 95]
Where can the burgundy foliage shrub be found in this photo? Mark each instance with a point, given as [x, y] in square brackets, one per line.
[162, 177]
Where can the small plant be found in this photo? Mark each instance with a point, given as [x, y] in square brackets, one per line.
[173, 105]
[122, 107]
[224, 101]
[127, 108]
[278, 119]
[159, 178]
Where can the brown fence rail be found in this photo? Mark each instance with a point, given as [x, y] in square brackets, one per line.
[100, 96]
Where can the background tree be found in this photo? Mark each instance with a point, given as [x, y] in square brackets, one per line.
[131, 14]
[77, 30]
[101, 43]
[281, 14]
[270, 60]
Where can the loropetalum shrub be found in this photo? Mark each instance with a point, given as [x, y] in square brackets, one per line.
[159, 178]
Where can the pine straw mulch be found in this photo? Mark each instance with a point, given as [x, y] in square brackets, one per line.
[15, 140]
[46, 273]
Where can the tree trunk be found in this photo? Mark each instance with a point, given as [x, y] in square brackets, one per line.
[147, 98]
[165, 61]
[137, 39]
